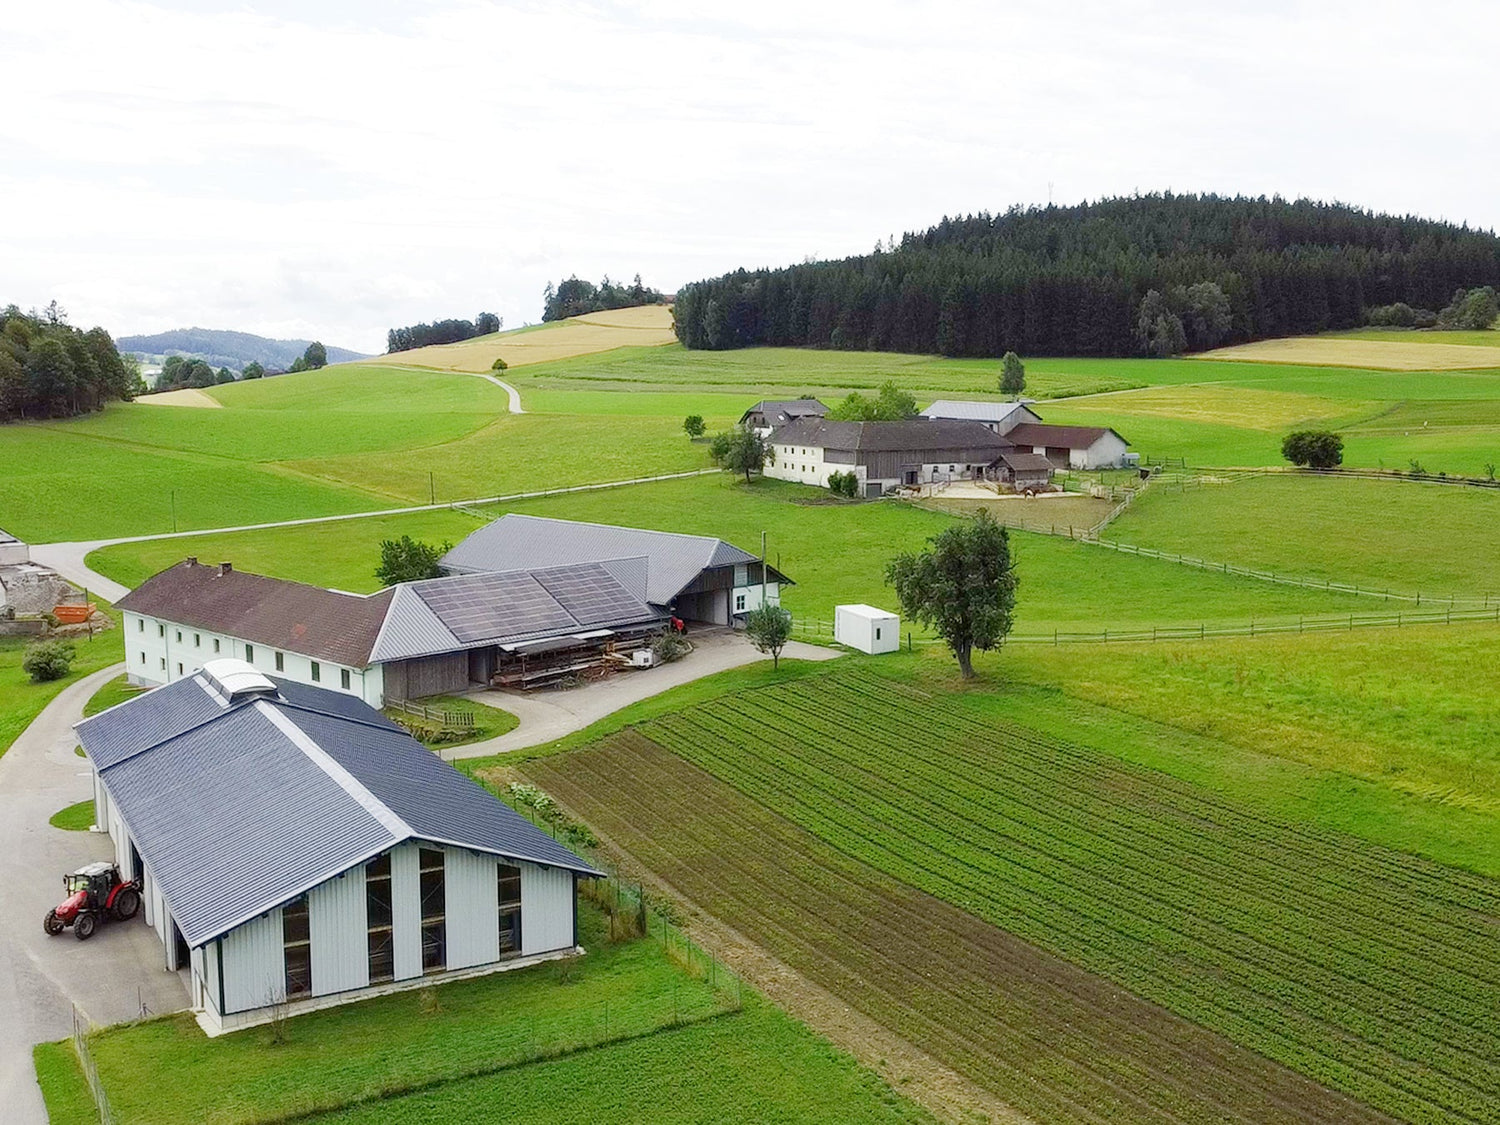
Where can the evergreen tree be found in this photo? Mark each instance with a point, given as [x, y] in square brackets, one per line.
[1012, 375]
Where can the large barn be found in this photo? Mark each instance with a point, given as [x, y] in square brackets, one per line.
[883, 455]
[694, 577]
[298, 850]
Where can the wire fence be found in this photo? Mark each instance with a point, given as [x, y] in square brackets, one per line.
[1265, 628]
[81, 1028]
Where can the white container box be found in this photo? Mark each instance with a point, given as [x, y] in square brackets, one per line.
[866, 629]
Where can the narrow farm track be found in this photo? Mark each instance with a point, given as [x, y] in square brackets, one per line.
[1056, 1042]
[1370, 971]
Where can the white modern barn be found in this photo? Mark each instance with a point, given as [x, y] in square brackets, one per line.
[299, 850]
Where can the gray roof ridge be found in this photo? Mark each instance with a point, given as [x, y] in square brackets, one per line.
[291, 705]
[606, 526]
[340, 776]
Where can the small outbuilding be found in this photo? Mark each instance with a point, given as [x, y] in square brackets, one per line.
[866, 628]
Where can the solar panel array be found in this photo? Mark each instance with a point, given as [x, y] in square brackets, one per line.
[495, 607]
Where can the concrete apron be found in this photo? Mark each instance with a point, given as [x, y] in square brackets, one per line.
[112, 976]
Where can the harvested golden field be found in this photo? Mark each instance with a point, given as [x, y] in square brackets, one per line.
[1341, 351]
[1247, 407]
[647, 326]
[188, 396]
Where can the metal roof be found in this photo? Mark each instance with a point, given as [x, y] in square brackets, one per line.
[787, 408]
[265, 797]
[469, 610]
[516, 542]
[974, 411]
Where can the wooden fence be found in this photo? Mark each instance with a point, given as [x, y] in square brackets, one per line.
[457, 720]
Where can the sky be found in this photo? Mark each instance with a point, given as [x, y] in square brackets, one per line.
[330, 170]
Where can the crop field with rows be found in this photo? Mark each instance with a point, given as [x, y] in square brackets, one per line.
[1369, 971]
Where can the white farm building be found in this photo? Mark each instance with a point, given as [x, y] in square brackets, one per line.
[298, 850]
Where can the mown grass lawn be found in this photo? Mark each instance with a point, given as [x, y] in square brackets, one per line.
[835, 552]
[166, 1071]
[22, 701]
[116, 691]
[1401, 536]
[64, 1088]
[489, 722]
[74, 818]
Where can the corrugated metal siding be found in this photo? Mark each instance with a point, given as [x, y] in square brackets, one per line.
[340, 949]
[406, 911]
[254, 964]
[546, 909]
[211, 975]
[473, 909]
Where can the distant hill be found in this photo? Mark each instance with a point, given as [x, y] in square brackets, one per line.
[1151, 274]
[228, 349]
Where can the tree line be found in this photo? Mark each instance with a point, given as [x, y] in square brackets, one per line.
[184, 372]
[440, 332]
[1153, 274]
[49, 369]
[574, 297]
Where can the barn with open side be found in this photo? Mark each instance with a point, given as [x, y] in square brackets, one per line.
[299, 850]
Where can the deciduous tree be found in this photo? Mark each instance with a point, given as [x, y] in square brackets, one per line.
[963, 586]
[768, 628]
[694, 425]
[409, 560]
[740, 451]
[1313, 449]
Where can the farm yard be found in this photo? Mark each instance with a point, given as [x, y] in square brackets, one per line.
[1368, 971]
[1243, 879]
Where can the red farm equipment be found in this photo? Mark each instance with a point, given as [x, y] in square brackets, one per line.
[95, 892]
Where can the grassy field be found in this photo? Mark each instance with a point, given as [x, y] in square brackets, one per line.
[489, 722]
[1365, 969]
[63, 1086]
[116, 691]
[755, 1065]
[1401, 536]
[74, 818]
[646, 326]
[21, 700]
[835, 552]
[1397, 352]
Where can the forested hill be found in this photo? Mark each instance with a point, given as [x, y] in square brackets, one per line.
[1156, 273]
[234, 350]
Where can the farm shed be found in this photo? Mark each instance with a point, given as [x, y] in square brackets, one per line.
[883, 455]
[867, 629]
[999, 417]
[1023, 470]
[406, 642]
[297, 848]
[695, 577]
[1072, 447]
[766, 415]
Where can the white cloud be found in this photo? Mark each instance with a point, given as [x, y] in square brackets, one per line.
[334, 169]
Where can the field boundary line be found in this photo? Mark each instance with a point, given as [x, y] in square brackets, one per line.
[1330, 624]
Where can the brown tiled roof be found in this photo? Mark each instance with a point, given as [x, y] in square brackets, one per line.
[312, 621]
[1025, 462]
[915, 434]
[1058, 437]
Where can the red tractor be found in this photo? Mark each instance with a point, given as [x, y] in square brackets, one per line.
[94, 892]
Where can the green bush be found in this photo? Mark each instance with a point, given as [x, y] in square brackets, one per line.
[844, 484]
[48, 660]
[499, 364]
[1313, 449]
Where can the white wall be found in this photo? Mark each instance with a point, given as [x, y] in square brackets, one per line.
[254, 964]
[742, 599]
[474, 908]
[859, 631]
[406, 911]
[154, 654]
[803, 464]
[339, 929]
[546, 909]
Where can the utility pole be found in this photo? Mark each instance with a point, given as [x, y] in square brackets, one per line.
[174, 510]
[431, 488]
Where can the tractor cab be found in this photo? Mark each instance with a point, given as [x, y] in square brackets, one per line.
[95, 891]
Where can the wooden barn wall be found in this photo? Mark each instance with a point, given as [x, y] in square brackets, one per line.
[885, 464]
[427, 675]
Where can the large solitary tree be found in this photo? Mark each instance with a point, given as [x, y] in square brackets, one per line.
[1313, 449]
[315, 356]
[408, 560]
[740, 451]
[963, 586]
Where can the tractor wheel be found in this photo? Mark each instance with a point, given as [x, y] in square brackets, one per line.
[83, 929]
[53, 924]
[127, 902]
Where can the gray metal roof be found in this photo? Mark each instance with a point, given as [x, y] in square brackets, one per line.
[516, 542]
[915, 435]
[783, 410]
[265, 797]
[469, 610]
[974, 411]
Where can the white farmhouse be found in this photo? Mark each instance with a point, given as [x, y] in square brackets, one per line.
[297, 850]
[1072, 447]
[883, 455]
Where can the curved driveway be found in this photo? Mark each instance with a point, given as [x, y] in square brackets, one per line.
[109, 977]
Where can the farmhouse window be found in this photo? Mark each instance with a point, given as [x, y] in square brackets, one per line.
[163, 663]
[197, 641]
[344, 678]
[179, 636]
[739, 603]
[216, 644]
[317, 672]
[378, 914]
[143, 658]
[179, 667]
[510, 911]
[434, 912]
[280, 662]
[161, 630]
[296, 940]
[140, 624]
[249, 654]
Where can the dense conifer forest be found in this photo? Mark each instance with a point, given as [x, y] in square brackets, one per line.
[1154, 274]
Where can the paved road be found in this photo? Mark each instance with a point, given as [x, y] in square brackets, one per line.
[68, 559]
[41, 976]
[546, 715]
